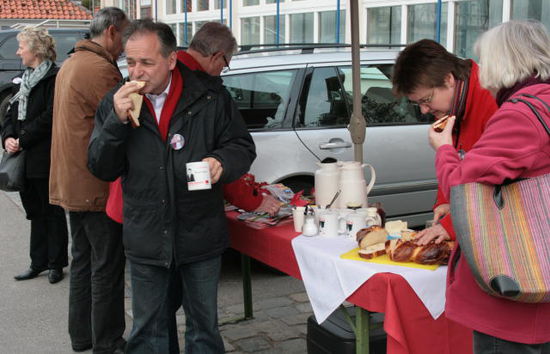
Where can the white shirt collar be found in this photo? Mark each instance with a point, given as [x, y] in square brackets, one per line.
[158, 100]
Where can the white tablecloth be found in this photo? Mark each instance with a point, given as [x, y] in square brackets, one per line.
[329, 279]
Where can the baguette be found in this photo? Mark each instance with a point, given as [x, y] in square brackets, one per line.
[137, 101]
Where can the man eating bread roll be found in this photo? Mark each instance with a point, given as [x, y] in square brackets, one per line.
[172, 236]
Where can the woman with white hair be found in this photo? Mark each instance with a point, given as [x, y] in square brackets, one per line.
[514, 61]
[28, 126]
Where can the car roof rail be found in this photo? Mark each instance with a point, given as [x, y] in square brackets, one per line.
[54, 23]
[304, 48]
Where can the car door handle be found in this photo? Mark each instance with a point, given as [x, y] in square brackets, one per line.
[334, 145]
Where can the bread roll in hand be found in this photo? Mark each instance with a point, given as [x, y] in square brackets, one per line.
[440, 124]
[137, 100]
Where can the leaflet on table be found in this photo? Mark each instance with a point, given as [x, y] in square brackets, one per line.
[262, 220]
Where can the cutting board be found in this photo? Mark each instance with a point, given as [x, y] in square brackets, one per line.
[385, 259]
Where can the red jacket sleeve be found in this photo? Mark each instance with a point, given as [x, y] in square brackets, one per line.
[445, 221]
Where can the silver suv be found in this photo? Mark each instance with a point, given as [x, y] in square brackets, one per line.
[297, 105]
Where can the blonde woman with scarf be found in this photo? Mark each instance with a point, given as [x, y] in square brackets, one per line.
[28, 126]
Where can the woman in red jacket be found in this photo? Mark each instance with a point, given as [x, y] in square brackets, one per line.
[514, 60]
[441, 84]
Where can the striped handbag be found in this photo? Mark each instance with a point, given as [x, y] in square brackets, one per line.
[504, 233]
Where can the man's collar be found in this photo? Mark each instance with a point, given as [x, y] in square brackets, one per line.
[152, 96]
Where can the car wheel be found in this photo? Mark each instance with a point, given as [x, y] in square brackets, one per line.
[4, 104]
[299, 183]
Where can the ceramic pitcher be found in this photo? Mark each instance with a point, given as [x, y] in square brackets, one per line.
[327, 183]
[353, 186]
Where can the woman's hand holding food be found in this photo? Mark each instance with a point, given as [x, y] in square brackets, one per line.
[439, 137]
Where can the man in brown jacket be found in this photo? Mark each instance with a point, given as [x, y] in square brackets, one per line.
[96, 298]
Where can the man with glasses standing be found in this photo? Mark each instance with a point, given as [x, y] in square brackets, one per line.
[210, 49]
[441, 83]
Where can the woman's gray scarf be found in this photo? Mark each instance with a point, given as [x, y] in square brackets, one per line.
[30, 78]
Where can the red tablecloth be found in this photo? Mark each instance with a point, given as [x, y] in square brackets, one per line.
[408, 324]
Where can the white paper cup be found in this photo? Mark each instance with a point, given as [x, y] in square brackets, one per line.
[298, 216]
[198, 176]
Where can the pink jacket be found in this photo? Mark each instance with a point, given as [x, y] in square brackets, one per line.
[513, 145]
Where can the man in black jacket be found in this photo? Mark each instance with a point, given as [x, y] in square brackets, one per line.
[169, 231]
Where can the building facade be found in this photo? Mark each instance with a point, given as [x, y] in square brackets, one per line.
[325, 21]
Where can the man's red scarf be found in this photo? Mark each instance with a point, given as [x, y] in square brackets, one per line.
[174, 94]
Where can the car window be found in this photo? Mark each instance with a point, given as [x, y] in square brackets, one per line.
[379, 105]
[64, 43]
[323, 102]
[262, 98]
[9, 47]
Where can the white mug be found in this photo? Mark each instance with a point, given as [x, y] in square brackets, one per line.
[354, 223]
[329, 224]
[198, 176]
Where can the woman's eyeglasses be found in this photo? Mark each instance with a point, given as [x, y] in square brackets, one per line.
[424, 101]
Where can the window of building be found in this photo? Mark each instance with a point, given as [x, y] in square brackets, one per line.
[183, 40]
[327, 27]
[251, 2]
[218, 3]
[202, 5]
[198, 25]
[270, 29]
[472, 19]
[188, 3]
[422, 22]
[531, 9]
[170, 7]
[262, 97]
[301, 28]
[145, 12]
[273, 1]
[174, 28]
[250, 30]
[384, 25]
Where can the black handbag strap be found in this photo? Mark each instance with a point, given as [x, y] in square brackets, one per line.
[538, 99]
[535, 111]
